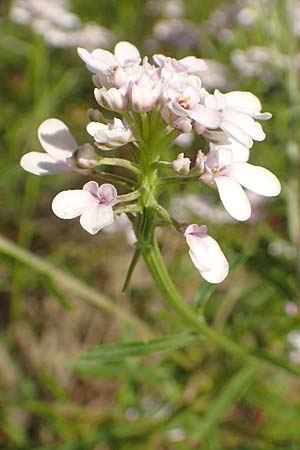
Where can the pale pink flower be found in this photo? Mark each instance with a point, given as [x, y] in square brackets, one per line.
[181, 164]
[110, 135]
[237, 111]
[93, 203]
[206, 254]
[99, 60]
[185, 96]
[59, 145]
[228, 176]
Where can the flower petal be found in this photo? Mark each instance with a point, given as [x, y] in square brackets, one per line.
[255, 178]
[207, 117]
[72, 203]
[233, 197]
[243, 101]
[206, 254]
[199, 253]
[97, 217]
[92, 187]
[97, 61]
[42, 164]
[193, 65]
[107, 193]
[126, 53]
[220, 267]
[93, 127]
[245, 123]
[56, 139]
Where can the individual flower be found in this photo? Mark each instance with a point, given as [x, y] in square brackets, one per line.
[237, 112]
[110, 135]
[93, 203]
[206, 254]
[99, 60]
[185, 95]
[59, 145]
[181, 164]
[228, 176]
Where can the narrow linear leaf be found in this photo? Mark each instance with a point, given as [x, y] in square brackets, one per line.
[231, 393]
[120, 351]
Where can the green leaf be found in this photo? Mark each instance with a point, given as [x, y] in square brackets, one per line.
[118, 352]
[231, 393]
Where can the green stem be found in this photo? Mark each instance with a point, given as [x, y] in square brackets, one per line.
[127, 197]
[121, 163]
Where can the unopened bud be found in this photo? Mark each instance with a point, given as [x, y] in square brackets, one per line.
[86, 156]
[181, 164]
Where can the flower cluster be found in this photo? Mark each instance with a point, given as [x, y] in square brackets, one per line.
[59, 27]
[154, 104]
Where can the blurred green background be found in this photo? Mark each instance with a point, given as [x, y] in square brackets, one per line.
[69, 300]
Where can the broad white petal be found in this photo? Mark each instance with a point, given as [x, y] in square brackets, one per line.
[220, 267]
[199, 253]
[72, 203]
[239, 152]
[236, 133]
[97, 217]
[243, 101]
[56, 139]
[93, 127]
[42, 164]
[233, 197]
[127, 53]
[255, 178]
[245, 123]
[97, 61]
[193, 65]
[207, 117]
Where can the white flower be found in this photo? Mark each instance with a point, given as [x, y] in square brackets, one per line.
[237, 111]
[111, 135]
[99, 60]
[228, 177]
[59, 146]
[206, 254]
[92, 203]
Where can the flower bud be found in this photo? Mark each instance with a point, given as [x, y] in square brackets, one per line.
[86, 156]
[113, 99]
[181, 164]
